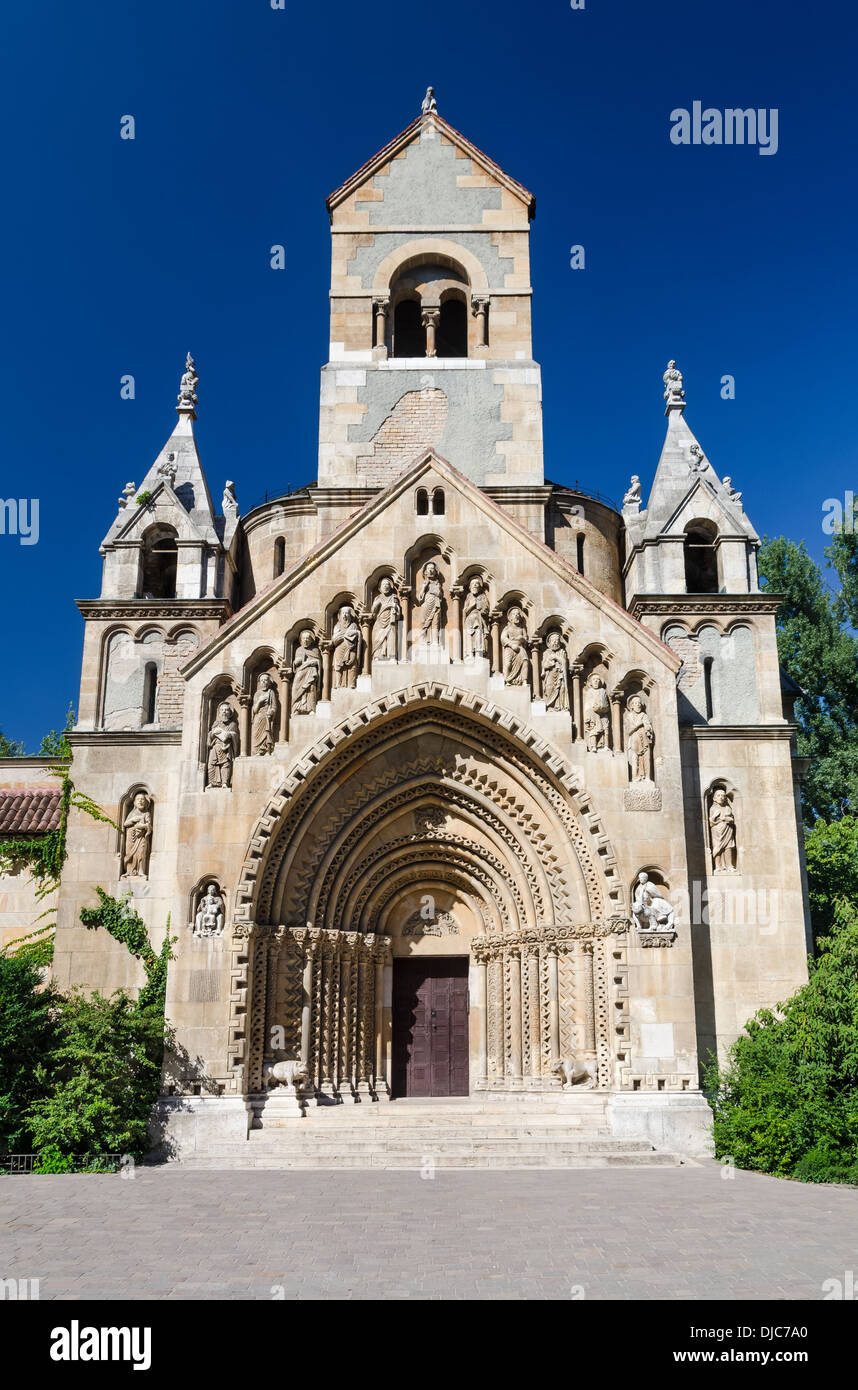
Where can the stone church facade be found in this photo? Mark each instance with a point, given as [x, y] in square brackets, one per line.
[435, 766]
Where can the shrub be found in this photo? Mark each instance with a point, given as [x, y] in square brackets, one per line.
[27, 1027]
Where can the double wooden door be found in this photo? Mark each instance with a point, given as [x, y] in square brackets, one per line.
[430, 1026]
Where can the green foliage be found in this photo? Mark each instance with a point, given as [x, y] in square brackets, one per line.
[56, 745]
[100, 1078]
[119, 919]
[820, 652]
[27, 1030]
[832, 868]
[142, 498]
[10, 747]
[786, 1102]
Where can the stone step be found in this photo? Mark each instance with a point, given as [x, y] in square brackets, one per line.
[519, 1159]
[434, 1143]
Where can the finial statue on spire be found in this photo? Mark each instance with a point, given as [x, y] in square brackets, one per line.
[673, 390]
[187, 397]
[429, 102]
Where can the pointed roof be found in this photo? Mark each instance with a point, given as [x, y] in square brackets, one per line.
[429, 120]
[496, 515]
[176, 476]
[683, 470]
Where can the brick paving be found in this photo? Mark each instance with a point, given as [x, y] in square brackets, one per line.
[678, 1233]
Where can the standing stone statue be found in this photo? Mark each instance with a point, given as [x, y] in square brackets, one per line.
[476, 619]
[555, 673]
[722, 832]
[223, 746]
[210, 913]
[137, 828]
[650, 909]
[514, 648]
[346, 639]
[430, 601]
[673, 389]
[597, 714]
[307, 680]
[264, 716]
[386, 613]
[639, 740]
[187, 397]
[429, 102]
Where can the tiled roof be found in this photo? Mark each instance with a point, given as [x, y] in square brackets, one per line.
[29, 810]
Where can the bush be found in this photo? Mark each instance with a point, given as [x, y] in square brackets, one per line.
[786, 1102]
[27, 1028]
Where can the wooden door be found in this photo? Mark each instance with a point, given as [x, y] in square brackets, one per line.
[430, 1026]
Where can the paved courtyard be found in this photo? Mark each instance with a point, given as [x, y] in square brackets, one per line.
[679, 1233]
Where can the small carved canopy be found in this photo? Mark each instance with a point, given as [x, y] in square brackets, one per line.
[596, 660]
[220, 690]
[344, 599]
[293, 636]
[262, 660]
[198, 892]
[126, 805]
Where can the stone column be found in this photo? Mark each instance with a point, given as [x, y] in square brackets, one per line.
[327, 647]
[479, 1002]
[381, 307]
[575, 671]
[366, 632]
[429, 318]
[328, 1018]
[535, 667]
[617, 720]
[514, 960]
[553, 1004]
[405, 640]
[382, 1089]
[310, 947]
[244, 723]
[285, 700]
[586, 994]
[347, 1036]
[497, 618]
[494, 1018]
[455, 621]
[363, 1069]
[534, 1013]
[479, 309]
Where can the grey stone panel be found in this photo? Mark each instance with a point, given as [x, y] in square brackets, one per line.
[422, 188]
[368, 258]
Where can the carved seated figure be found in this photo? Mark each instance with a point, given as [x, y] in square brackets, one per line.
[650, 909]
[575, 1071]
[209, 917]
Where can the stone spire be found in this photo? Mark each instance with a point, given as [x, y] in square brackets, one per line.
[429, 102]
[187, 397]
[674, 394]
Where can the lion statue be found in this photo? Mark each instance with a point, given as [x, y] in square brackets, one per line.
[290, 1073]
[575, 1071]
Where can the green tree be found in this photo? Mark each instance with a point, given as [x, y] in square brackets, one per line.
[786, 1102]
[832, 868]
[27, 1028]
[56, 745]
[820, 652]
[10, 747]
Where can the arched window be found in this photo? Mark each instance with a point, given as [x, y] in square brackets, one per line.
[451, 339]
[438, 502]
[150, 687]
[422, 502]
[409, 335]
[279, 556]
[701, 558]
[579, 552]
[159, 562]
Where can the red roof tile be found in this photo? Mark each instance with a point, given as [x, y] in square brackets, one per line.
[29, 810]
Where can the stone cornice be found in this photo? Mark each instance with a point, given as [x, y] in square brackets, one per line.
[670, 605]
[754, 732]
[139, 609]
[94, 738]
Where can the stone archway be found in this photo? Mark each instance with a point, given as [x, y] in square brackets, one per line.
[427, 792]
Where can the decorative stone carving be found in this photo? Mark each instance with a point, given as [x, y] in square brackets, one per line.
[639, 740]
[307, 678]
[223, 746]
[127, 493]
[673, 390]
[430, 819]
[698, 459]
[229, 503]
[722, 832]
[290, 1073]
[633, 497]
[651, 910]
[346, 648]
[137, 838]
[386, 614]
[475, 619]
[597, 714]
[168, 469]
[263, 716]
[734, 496]
[514, 648]
[429, 102]
[575, 1071]
[209, 916]
[437, 924]
[430, 601]
[555, 674]
[187, 397]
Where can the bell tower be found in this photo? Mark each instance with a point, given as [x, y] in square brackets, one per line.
[430, 342]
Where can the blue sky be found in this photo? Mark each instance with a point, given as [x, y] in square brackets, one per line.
[118, 255]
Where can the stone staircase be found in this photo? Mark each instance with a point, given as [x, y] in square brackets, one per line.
[569, 1132]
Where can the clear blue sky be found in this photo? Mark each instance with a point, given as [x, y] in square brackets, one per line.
[118, 256]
